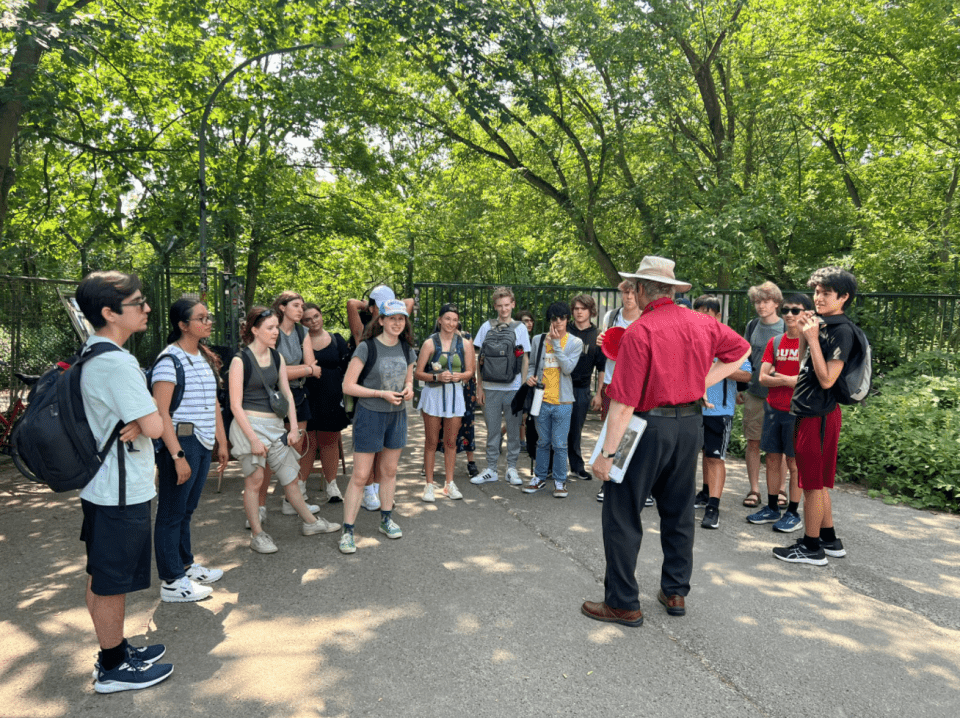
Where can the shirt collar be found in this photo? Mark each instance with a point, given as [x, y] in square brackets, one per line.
[657, 303]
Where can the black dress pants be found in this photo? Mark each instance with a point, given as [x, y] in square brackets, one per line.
[664, 466]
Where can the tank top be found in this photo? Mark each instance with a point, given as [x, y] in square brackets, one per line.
[254, 395]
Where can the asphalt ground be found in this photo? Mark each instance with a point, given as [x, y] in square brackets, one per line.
[476, 611]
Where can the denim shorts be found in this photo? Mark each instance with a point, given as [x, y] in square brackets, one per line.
[777, 432]
[376, 430]
[118, 547]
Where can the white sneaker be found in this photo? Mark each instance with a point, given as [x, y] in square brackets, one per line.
[371, 501]
[333, 493]
[428, 494]
[263, 517]
[321, 526]
[514, 478]
[183, 590]
[262, 543]
[452, 492]
[288, 509]
[202, 574]
[487, 476]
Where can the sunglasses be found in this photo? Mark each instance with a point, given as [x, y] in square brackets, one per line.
[793, 310]
[266, 314]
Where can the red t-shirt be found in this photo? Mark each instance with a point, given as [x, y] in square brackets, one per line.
[787, 363]
[666, 353]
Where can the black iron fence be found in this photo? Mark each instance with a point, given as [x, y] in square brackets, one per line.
[900, 326]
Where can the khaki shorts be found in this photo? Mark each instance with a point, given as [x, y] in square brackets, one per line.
[282, 459]
[752, 416]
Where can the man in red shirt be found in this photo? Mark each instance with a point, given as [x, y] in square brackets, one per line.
[669, 354]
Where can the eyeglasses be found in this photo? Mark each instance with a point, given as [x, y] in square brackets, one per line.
[793, 310]
[139, 303]
[209, 319]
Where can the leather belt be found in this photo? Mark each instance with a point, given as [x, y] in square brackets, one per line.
[674, 412]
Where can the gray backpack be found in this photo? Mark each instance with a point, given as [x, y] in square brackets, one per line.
[500, 357]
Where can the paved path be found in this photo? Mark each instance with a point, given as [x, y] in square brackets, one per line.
[476, 610]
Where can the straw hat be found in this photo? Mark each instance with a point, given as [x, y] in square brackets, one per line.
[658, 269]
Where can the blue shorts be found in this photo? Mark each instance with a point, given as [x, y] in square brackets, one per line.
[777, 435]
[376, 430]
[716, 436]
[118, 547]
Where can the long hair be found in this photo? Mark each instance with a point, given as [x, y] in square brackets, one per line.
[375, 329]
[182, 311]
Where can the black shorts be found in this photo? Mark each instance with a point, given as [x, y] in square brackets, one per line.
[716, 436]
[118, 547]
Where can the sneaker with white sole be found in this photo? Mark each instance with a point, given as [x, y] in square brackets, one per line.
[487, 476]
[390, 529]
[263, 517]
[452, 492]
[202, 574]
[790, 521]
[700, 500]
[262, 543]
[428, 494]
[649, 501]
[183, 590]
[147, 654]
[766, 515]
[287, 508]
[371, 501]
[711, 518]
[133, 674]
[799, 553]
[333, 493]
[347, 544]
[320, 526]
[534, 486]
[833, 548]
[559, 490]
[513, 478]
[600, 496]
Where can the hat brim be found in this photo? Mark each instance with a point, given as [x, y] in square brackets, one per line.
[682, 286]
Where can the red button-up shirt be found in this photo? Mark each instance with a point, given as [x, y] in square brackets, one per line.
[665, 356]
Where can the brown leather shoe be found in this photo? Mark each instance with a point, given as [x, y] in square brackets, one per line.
[603, 612]
[673, 604]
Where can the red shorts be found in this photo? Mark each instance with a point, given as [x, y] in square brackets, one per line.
[816, 459]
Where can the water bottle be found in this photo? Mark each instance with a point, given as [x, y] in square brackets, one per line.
[537, 399]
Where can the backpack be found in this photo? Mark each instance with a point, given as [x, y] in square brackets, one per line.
[179, 386]
[856, 379]
[372, 356]
[457, 349]
[500, 362]
[751, 325]
[52, 442]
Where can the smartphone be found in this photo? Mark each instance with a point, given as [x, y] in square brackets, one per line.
[185, 429]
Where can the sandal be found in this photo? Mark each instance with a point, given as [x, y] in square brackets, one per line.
[782, 500]
[752, 500]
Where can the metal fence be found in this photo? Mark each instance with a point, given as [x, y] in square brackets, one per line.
[899, 326]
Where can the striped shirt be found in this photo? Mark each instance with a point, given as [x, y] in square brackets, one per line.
[199, 395]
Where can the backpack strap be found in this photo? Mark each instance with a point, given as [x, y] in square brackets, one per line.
[536, 361]
[180, 383]
[751, 325]
[371, 359]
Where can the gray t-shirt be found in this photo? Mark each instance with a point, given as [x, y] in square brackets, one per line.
[388, 373]
[762, 333]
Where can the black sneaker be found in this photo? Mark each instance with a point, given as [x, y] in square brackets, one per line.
[700, 502]
[472, 468]
[584, 476]
[833, 548]
[799, 553]
[649, 501]
[711, 518]
[600, 496]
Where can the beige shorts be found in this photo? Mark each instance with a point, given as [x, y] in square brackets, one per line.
[752, 416]
[281, 458]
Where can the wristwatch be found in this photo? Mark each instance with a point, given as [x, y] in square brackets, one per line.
[434, 377]
[181, 455]
[605, 455]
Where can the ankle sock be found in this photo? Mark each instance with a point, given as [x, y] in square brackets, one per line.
[705, 491]
[794, 506]
[348, 528]
[385, 516]
[828, 534]
[110, 658]
[812, 543]
[773, 501]
[713, 502]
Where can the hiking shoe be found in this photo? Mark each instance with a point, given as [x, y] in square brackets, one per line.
[133, 674]
[288, 509]
[263, 517]
[472, 469]
[700, 501]
[833, 548]
[333, 493]
[320, 526]
[559, 490]
[766, 515]
[452, 492]
[600, 496]
[487, 476]
[534, 486]
[202, 574]
[649, 501]
[183, 590]
[347, 544]
[790, 522]
[428, 494]
[262, 543]
[513, 478]
[390, 529]
[371, 500]
[711, 518]
[798, 553]
[147, 654]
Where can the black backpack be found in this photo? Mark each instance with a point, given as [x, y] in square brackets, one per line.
[372, 356]
[52, 442]
[181, 380]
[499, 362]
